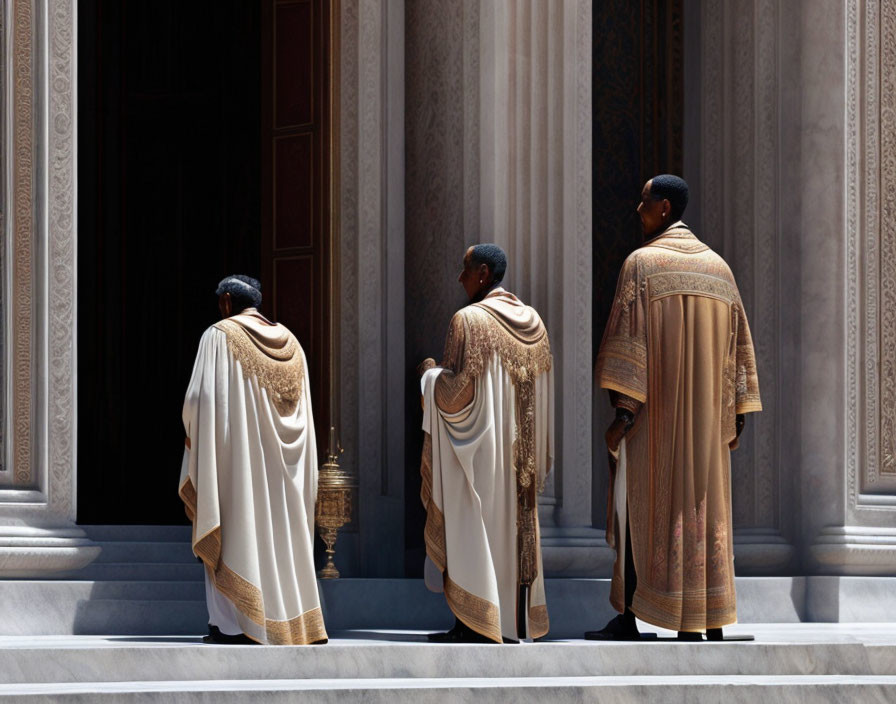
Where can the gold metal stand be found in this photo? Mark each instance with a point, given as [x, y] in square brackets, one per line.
[334, 503]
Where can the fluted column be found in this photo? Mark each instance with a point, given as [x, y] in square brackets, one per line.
[372, 365]
[739, 169]
[499, 149]
[536, 202]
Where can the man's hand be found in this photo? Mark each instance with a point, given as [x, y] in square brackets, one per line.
[618, 428]
[426, 365]
[614, 434]
[740, 421]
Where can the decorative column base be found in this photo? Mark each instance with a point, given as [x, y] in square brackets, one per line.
[576, 552]
[33, 552]
[572, 551]
[761, 551]
[852, 550]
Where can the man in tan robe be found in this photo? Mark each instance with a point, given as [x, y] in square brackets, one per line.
[249, 476]
[678, 361]
[488, 423]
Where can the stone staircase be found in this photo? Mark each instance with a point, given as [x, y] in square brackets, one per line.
[126, 629]
[802, 663]
[145, 581]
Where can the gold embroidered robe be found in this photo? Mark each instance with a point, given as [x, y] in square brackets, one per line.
[249, 479]
[488, 423]
[677, 351]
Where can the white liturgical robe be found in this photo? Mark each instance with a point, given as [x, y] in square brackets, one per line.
[249, 480]
[488, 418]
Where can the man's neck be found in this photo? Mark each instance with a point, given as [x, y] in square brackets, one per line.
[662, 231]
[482, 294]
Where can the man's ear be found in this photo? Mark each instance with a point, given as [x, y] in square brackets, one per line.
[225, 305]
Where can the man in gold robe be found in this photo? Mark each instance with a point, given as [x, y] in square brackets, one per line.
[677, 358]
[488, 423]
[249, 476]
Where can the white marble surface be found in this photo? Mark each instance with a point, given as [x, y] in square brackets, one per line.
[779, 650]
[603, 689]
[177, 607]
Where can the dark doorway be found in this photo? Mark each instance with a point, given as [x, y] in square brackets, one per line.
[178, 187]
[638, 93]
[169, 203]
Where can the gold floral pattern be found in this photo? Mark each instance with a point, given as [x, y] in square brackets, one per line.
[279, 370]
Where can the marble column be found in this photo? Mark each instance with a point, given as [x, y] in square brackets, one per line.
[499, 149]
[38, 534]
[371, 232]
[849, 115]
[738, 148]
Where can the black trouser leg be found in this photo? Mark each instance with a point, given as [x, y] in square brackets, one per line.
[631, 577]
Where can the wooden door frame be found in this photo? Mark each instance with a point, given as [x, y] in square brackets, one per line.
[324, 355]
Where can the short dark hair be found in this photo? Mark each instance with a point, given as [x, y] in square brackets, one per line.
[245, 292]
[671, 188]
[493, 257]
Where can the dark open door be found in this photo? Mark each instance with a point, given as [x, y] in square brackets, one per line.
[295, 181]
[203, 152]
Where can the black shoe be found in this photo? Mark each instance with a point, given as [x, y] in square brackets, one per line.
[619, 628]
[716, 635]
[217, 638]
[690, 636]
[461, 633]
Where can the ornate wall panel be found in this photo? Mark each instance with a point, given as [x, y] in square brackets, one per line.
[871, 253]
[20, 246]
[885, 153]
[61, 268]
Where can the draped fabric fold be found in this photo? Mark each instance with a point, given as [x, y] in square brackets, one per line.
[488, 423]
[677, 351]
[249, 477]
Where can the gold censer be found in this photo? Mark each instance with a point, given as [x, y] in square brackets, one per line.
[334, 503]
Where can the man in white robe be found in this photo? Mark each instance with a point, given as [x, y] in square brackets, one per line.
[488, 423]
[249, 476]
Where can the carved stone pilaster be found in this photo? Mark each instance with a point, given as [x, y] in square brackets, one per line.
[860, 537]
[37, 508]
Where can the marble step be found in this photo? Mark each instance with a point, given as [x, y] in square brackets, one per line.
[113, 533]
[188, 571]
[146, 551]
[83, 607]
[575, 605]
[607, 690]
[146, 617]
[369, 656]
